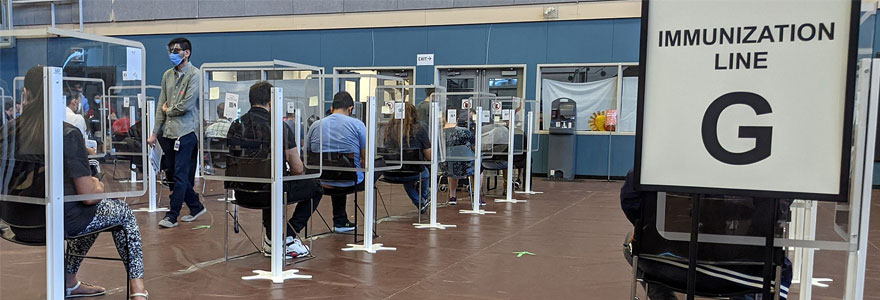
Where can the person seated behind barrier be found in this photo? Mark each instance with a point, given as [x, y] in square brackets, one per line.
[80, 217]
[457, 135]
[74, 115]
[250, 137]
[341, 133]
[221, 126]
[415, 137]
[121, 126]
[631, 200]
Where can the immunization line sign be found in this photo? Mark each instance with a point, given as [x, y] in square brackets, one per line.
[747, 97]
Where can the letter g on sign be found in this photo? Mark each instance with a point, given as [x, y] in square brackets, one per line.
[763, 135]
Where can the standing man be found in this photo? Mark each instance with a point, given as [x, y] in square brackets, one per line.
[176, 123]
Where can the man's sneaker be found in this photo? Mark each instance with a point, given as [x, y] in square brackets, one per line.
[167, 222]
[453, 201]
[189, 218]
[425, 205]
[343, 227]
[295, 247]
[482, 203]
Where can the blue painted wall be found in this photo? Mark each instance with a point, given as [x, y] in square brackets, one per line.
[588, 41]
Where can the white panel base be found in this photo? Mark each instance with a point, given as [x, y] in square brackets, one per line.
[432, 226]
[528, 192]
[267, 275]
[368, 248]
[475, 212]
[510, 201]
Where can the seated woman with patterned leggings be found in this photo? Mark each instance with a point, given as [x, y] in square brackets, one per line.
[27, 221]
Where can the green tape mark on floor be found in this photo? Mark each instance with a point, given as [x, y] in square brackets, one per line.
[521, 253]
[202, 227]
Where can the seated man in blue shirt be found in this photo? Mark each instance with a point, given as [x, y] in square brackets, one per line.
[341, 133]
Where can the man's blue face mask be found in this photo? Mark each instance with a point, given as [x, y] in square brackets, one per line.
[176, 58]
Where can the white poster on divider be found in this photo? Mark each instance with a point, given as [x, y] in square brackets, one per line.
[744, 103]
[231, 110]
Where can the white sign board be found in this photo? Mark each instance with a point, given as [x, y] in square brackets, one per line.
[231, 110]
[425, 59]
[133, 64]
[733, 102]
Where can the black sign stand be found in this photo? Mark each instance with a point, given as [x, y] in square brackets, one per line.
[769, 273]
[693, 246]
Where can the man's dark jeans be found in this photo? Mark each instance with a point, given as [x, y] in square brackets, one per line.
[182, 164]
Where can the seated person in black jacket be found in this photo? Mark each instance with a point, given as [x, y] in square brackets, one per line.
[250, 137]
[751, 208]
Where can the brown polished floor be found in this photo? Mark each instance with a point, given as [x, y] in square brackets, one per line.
[574, 229]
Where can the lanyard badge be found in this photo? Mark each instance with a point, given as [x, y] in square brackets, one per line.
[177, 145]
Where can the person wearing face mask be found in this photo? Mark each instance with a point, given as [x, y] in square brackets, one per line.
[74, 115]
[176, 121]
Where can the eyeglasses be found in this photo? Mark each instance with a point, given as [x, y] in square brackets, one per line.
[175, 50]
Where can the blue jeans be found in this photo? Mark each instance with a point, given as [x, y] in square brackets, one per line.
[411, 186]
[182, 164]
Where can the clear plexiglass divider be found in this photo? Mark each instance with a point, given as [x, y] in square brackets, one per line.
[356, 135]
[226, 97]
[251, 135]
[472, 111]
[43, 146]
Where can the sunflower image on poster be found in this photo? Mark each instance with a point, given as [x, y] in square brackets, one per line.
[598, 121]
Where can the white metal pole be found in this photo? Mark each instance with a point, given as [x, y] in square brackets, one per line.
[369, 186]
[297, 123]
[435, 166]
[511, 132]
[855, 285]
[54, 154]
[478, 160]
[279, 251]
[131, 121]
[152, 191]
[530, 134]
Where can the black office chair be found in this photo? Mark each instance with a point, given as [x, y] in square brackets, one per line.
[216, 151]
[255, 166]
[406, 170]
[339, 160]
[664, 262]
[128, 143]
[28, 180]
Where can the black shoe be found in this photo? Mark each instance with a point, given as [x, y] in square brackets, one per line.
[345, 227]
[453, 201]
[424, 208]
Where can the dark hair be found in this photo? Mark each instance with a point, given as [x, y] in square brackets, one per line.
[184, 44]
[220, 110]
[429, 92]
[260, 93]
[7, 105]
[33, 83]
[342, 100]
[70, 95]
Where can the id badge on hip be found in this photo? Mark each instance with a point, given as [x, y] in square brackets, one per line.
[177, 145]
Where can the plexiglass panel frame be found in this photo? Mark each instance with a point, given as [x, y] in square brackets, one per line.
[224, 90]
[76, 54]
[371, 92]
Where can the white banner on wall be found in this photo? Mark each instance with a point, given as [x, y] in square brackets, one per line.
[755, 104]
[590, 97]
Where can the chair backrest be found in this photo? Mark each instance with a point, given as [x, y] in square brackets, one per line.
[27, 178]
[251, 167]
[333, 159]
[393, 154]
[716, 216]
